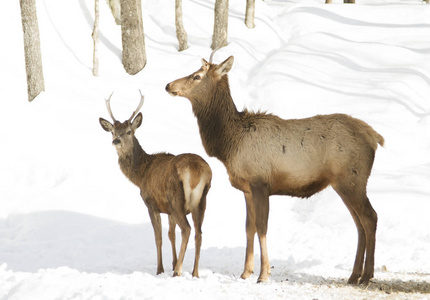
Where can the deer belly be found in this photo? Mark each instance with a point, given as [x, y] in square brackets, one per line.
[299, 186]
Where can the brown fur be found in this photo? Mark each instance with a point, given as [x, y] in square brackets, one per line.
[265, 155]
[163, 180]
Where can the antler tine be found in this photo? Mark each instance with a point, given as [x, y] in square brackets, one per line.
[217, 48]
[213, 52]
[108, 107]
[142, 97]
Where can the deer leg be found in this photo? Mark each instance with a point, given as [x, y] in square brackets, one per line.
[156, 224]
[361, 245]
[260, 197]
[198, 220]
[172, 238]
[365, 219]
[198, 216]
[250, 234]
[182, 222]
[369, 219]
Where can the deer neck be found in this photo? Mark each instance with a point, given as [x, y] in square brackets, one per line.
[133, 162]
[218, 120]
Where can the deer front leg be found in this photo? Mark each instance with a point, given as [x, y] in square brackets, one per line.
[156, 224]
[172, 238]
[250, 234]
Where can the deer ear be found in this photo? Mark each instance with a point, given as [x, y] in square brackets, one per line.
[137, 121]
[204, 62]
[106, 125]
[224, 67]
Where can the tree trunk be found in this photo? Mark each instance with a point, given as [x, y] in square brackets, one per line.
[219, 38]
[249, 13]
[95, 36]
[33, 56]
[181, 34]
[133, 38]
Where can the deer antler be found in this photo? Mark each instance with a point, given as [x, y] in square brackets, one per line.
[142, 97]
[108, 107]
[224, 42]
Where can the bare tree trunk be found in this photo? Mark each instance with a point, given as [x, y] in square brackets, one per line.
[181, 34]
[219, 38]
[33, 56]
[115, 7]
[95, 36]
[249, 13]
[133, 38]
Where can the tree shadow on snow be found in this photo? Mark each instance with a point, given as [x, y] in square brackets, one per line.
[53, 239]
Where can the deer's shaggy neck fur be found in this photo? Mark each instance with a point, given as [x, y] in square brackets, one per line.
[218, 121]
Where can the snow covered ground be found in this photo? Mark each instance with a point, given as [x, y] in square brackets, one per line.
[73, 227]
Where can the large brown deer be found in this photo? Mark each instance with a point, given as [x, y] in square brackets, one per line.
[265, 155]
[174, 185]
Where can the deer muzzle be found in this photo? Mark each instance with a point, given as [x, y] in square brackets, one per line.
[170, 90]
[116, 142]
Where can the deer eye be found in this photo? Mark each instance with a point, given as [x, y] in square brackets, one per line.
[129, 132]
[197, 77]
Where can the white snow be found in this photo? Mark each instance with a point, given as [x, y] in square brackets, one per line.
[73, 227]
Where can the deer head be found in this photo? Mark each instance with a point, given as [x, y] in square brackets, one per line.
[201, 84]
[123, 133]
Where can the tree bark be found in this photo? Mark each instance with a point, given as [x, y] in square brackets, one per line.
[249, 13]
[133, 38]
[95, 36]
[181, 34]
[33, 56]
[219, 38]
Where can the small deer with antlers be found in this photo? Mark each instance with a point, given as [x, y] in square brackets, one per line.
[265, 155]
[174, 185]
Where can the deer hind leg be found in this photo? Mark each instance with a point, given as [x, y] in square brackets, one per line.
[361, 245]
[369, 219]
[156, 224]
[182, 222]
[250, 234]
[172, 238]
[260, 198]
[365, 219]
[198, 216]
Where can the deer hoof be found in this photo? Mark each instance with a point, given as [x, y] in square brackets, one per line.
[262, 280]
[159, 271]
[353, 279]
[246, 274]
[365, 279]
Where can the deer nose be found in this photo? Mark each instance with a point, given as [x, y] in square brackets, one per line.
[116, 141]
[168, 89]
